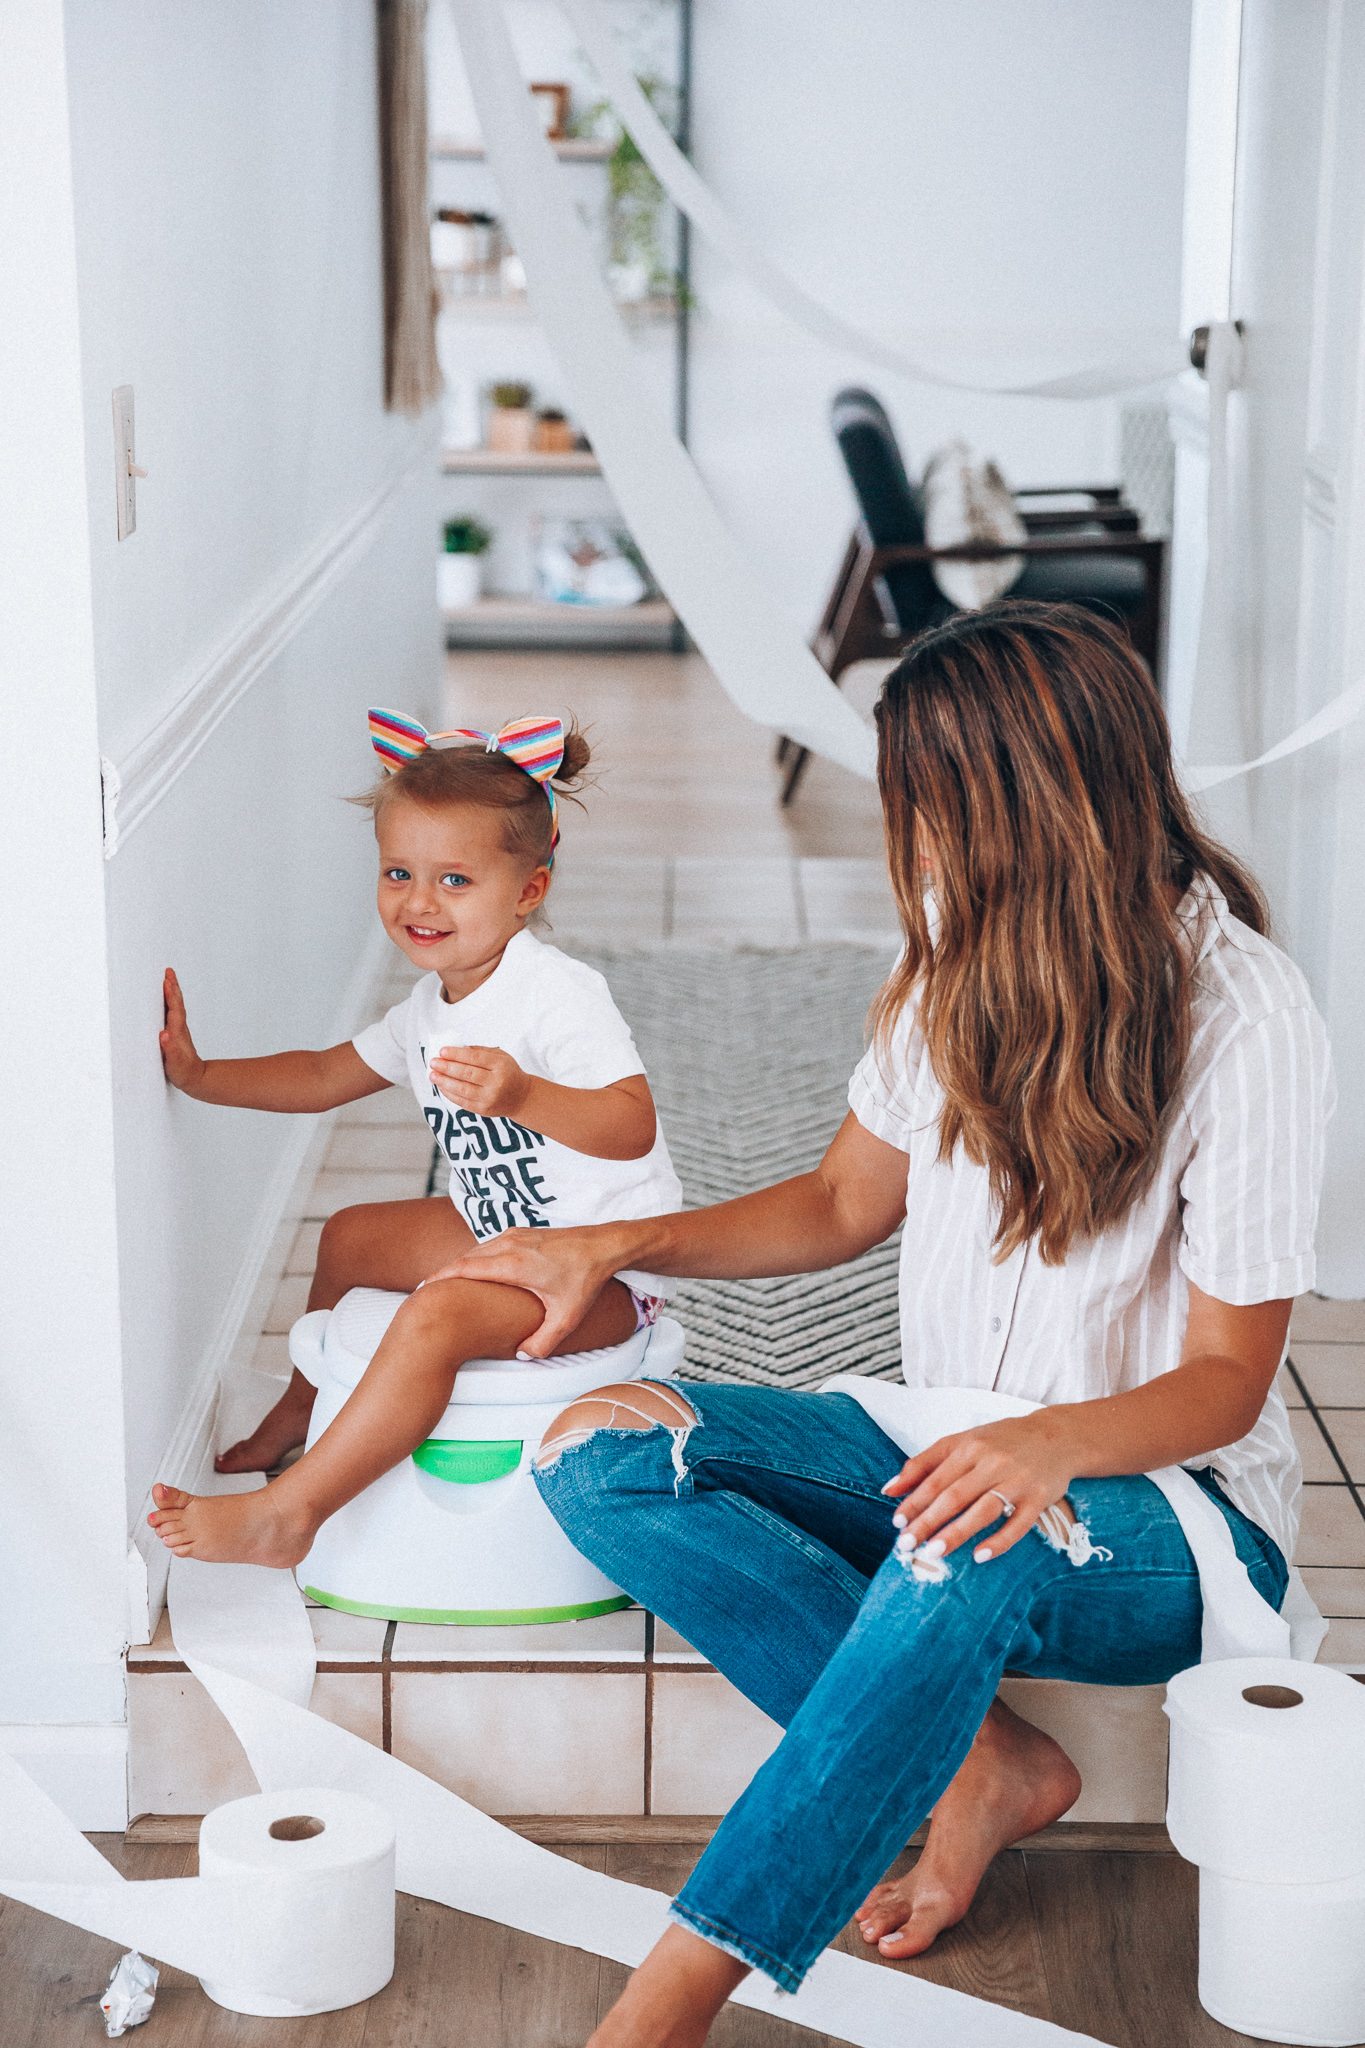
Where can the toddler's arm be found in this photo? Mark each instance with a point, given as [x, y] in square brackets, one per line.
[302, 1082]
[616, 1122]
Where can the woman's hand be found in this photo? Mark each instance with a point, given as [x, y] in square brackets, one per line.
[951, 1492]
[566, 1269]
[184, 1068]
[481, 1078]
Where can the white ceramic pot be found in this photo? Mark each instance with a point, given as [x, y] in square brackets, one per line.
[458, 581]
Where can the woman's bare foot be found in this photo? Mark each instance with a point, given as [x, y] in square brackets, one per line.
[230, 1528]
[1014, 1781]
[284, 1429]
[673, 1997]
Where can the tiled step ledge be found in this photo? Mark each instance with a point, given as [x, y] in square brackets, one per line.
[575, 1829]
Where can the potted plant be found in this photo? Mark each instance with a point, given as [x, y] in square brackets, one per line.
[511, 424]
[460, 567]
[553, 435]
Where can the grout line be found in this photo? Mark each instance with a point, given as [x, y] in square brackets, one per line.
[1311, 1405]
[799, 903]
[386, 1691]
[648, 1805]
[670, 896]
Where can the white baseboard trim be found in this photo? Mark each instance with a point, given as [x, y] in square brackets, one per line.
[152, 758]
[83, 1768]
[187, 1456]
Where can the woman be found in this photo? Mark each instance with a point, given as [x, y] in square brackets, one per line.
[1096, 1095]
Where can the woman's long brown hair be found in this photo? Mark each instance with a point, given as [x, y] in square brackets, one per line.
[1025, 751]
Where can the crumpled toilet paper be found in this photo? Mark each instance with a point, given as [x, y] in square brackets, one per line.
[131, 1994]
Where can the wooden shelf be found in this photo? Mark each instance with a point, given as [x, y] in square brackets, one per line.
[517, 306]
[497, 462]
[528, 622]
[574, 150]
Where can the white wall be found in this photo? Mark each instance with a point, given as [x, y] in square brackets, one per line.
[230, 271]
[216, 214]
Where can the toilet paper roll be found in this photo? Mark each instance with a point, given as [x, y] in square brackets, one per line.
[276, 1927]
[1284, 1962]
[1267, 1771]
[331, 1943]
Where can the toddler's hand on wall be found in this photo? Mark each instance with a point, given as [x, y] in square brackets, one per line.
[481, 1078]
[184, 1068]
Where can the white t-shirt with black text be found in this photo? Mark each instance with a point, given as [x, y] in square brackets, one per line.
[557, 1020]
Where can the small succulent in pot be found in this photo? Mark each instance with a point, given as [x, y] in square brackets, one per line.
[459, 571]
[511, 423]
[553, 434]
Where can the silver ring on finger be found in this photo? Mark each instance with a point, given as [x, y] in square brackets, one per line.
[1007, 1506]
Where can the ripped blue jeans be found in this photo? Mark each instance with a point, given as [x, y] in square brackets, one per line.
[762, 1535]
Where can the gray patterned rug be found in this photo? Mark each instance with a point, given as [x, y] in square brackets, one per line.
[749, 1054]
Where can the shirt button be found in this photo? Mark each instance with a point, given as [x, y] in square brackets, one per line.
[995, 1324]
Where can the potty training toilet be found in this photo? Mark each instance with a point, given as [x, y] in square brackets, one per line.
[458, 1532]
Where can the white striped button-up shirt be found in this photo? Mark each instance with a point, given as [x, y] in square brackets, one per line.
[1232, 1207]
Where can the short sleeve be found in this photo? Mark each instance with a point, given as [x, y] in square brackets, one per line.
[582, 1039]
[384, 1046]
[887, 1091]
[1251, 1188]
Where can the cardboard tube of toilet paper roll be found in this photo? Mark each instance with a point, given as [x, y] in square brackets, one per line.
[1267, 1771]
[266, 1931]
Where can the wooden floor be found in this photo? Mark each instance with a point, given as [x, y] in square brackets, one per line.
[1103, 1944]
[681, 772]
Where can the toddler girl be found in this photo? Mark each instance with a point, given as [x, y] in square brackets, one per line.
[529, 1079]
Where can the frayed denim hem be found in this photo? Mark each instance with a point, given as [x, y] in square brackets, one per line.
[782, 1974]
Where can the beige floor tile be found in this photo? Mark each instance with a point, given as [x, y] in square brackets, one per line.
[601, 1638]
[708, 1742]
[1115, 1735]
[848, 899]
[670, 1648]
[605, 901]
[291, 1301]
[1318, 1462]
[346, 1637]
[351, 1699]
[161, 1648]
[389, 1106]
[1339, 1590]
[381, 1148]
[271, 1356]
[1332, 1528]
[1289, 1393]
[1346, 1427]
[748, 902]
[518, 1742]
[1345, 1644]
[333, 1191]
[303, 1253]
[1334, 1374]
[1327, 1322]
[182, 1756]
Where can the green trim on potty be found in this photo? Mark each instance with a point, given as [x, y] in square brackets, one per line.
[468, 1461]
[471, 1617]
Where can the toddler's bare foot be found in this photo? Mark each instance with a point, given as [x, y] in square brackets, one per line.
[284, 1428]
[1014, 1781]
[230, 1528]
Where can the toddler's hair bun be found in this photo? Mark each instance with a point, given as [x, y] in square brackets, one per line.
[577, 754]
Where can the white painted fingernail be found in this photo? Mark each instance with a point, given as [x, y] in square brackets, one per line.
[935, 1548]
[982, 1552]
[899, 1519]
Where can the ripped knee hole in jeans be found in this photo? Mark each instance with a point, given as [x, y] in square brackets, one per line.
[636, 1405]
[1060, 1527]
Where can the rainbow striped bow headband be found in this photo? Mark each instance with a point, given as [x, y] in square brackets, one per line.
[535, 744]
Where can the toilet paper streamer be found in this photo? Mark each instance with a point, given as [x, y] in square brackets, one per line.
[1268, 1794]
[446, 1850]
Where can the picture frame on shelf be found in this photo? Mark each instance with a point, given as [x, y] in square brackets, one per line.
[552, 104]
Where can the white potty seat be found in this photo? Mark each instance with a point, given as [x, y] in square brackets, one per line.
[457, 1532]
